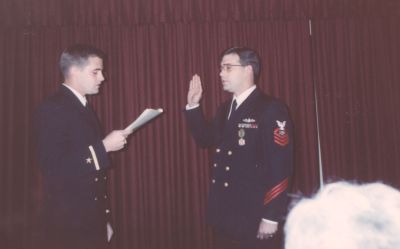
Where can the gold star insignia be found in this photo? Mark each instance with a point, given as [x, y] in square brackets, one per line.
[88, 160]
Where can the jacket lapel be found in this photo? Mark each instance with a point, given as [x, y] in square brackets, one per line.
[86, 112]
[244, 107]
[241, 111]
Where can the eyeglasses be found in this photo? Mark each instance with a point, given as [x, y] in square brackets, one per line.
[228, 67]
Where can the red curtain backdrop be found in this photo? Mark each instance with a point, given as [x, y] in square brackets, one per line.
[159, 184]
[356, 65]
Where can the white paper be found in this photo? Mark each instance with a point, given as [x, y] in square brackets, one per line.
[145, 117]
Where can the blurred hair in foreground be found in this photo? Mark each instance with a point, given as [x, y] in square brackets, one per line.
[344, 215]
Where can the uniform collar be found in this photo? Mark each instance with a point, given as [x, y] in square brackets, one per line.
[243, 96]
[81, 98]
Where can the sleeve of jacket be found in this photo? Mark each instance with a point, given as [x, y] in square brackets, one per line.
[277, 154]
[203, 132]
[63, 153]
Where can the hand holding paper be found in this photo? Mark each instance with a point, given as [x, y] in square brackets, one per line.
[145, 117]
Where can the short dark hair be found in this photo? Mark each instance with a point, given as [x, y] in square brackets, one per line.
[78, 55]
[247, 56]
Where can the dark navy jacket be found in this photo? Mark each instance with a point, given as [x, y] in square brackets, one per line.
[252, 162]
[73, 161]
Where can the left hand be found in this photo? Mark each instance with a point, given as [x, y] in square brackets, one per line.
[266, 230]
[115, 141]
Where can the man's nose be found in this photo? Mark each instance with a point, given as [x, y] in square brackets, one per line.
[101, 77]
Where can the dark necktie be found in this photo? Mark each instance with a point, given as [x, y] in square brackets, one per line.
[233, 108]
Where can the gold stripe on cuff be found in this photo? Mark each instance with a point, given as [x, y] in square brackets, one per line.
[96, 162]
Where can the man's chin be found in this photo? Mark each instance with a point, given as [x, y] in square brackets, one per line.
[94, 92]
[227, 88]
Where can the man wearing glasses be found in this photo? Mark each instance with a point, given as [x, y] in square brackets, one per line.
[252, 163]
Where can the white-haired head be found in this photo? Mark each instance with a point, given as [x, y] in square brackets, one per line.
[346, 216]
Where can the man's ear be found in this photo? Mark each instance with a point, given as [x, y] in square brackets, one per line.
[249, 69]
[74, 70]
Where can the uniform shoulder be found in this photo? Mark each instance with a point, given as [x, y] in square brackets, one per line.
[54, 102]
[273, 108]
[271, 101]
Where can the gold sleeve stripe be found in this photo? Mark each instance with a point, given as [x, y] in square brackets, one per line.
[96, 162]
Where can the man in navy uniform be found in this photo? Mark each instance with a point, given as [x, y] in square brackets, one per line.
[73, 156]
[252, 135]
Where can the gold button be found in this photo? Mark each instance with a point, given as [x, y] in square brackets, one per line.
[215, 165]
[229, 152]
[105, 178]
[226, 184]
[218, 150]
[96, 179]
[213, 180]
[107, 211]
[227, 168]
[105, 197]
[95, 198]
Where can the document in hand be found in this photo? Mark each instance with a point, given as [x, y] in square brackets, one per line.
[145, 117]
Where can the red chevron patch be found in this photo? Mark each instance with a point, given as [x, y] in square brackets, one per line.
[281, 137]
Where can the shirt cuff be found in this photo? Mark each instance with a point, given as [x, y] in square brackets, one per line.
[270, 221]
[191, 107]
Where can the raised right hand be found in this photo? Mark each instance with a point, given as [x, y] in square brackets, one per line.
[195, 91]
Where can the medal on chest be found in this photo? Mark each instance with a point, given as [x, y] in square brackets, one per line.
[241, 134]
